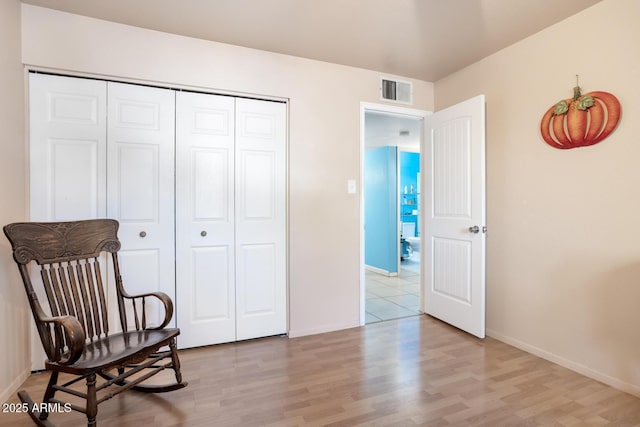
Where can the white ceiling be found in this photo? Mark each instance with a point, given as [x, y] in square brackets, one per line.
[392, 129]
[423, 39]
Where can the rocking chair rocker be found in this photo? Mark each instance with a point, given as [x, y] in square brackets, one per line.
[76, 335]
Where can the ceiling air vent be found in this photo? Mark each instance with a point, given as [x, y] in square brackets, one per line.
[395, 90]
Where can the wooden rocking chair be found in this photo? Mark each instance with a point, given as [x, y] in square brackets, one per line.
[76, 335]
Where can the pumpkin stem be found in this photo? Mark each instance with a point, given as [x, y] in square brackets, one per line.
[576, 93]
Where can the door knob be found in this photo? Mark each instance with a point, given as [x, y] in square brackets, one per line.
[203, 233]
[475, 229]
[143, 234]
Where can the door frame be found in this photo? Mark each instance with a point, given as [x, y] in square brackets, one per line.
[392, 109]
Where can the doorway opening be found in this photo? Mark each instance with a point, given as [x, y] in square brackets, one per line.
[391, 218]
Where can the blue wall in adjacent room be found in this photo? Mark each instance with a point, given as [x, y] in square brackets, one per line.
[381, 212]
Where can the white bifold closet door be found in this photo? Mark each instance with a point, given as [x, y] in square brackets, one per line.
[140, 188]
[230, 218]
[261, 302]
[67, 158]
[67, 150]
[197, 182]
[103, 149]
[205, 240]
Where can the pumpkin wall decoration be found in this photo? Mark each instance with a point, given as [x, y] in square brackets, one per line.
[582, 120]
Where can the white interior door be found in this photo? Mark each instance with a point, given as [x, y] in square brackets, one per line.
[261, 295]
[454, 202]
[205, 226]
[67, 158]
[140, 186]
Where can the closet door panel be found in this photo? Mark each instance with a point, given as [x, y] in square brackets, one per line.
[205, 245]
[75, 186]
[138, 183]
[140, 187]
[260, 218]
[67, 157]
[259, 278]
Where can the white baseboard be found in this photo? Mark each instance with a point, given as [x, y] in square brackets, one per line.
[380, 271]
[14, 386]
[321, 329]
[569, 364]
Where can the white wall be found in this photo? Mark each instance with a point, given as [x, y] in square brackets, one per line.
[563, 268]
[563, 247]
[14, 314]
[324, 135]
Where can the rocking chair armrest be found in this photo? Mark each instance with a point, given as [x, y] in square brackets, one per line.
[166, 301]
[67, 330]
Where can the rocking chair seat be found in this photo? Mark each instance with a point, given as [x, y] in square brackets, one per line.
[116, 349]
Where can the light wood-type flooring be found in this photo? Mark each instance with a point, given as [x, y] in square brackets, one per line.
[404, 372]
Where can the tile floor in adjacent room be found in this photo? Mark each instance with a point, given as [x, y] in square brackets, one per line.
[393, 297]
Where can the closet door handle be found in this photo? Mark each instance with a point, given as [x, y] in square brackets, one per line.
[203, 233]
[143, 234]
